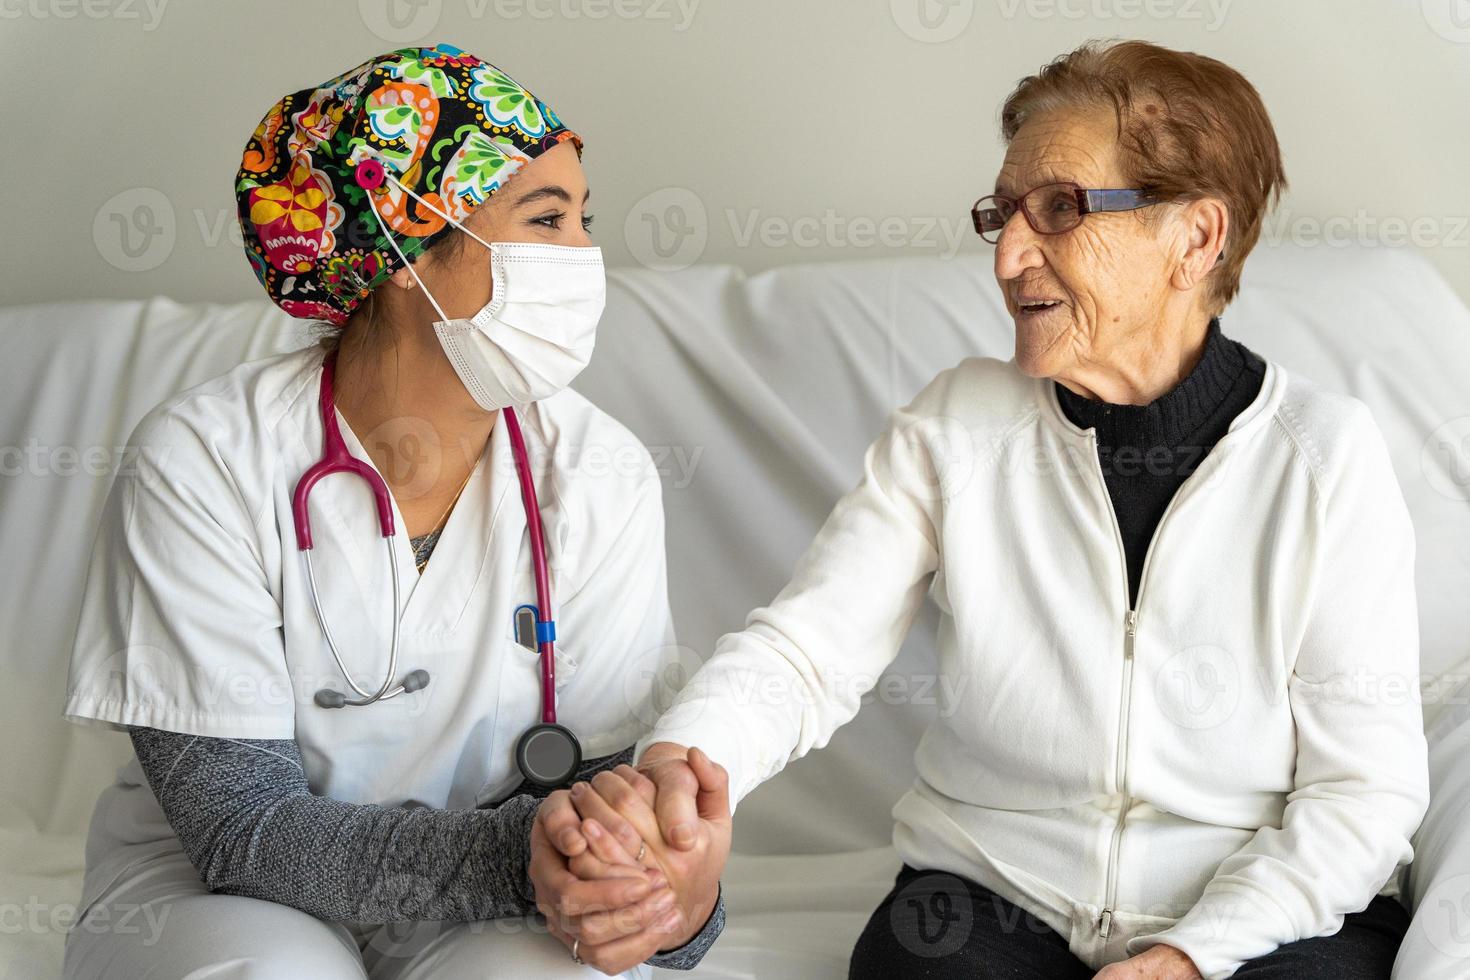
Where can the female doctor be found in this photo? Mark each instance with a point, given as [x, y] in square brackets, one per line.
[349, 686]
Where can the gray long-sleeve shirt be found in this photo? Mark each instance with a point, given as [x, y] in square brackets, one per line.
[251, 826]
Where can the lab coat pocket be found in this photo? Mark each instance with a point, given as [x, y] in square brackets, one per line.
[566, 662]
[566, 666]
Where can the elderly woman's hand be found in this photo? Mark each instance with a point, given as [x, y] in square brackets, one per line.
[585, 846]
[693, 870]
[1161, 962]
[614, 911]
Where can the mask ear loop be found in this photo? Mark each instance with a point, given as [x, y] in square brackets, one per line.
[388, 234]
[431, 207]
[370, 175]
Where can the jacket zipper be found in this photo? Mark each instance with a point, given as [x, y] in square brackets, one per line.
[1130, 630]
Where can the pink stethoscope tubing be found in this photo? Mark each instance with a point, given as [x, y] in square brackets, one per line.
[336, 459]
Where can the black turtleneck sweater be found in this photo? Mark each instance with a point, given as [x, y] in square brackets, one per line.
[1147, 451]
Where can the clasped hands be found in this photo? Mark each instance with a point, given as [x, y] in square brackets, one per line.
[629, 864]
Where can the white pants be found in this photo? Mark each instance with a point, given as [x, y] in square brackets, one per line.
[159, 922]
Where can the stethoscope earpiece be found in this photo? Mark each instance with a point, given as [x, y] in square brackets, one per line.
[416, 680]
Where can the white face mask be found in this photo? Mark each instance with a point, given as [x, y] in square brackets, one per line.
[537, 332]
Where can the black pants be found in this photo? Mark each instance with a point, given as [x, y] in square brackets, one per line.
[939, 925]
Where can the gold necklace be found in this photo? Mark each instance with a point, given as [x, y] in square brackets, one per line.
[442, 517]
[421, 565]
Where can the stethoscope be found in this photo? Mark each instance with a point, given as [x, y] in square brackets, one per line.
[547, 754]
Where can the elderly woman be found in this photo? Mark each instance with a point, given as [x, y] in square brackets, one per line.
[1177, 578]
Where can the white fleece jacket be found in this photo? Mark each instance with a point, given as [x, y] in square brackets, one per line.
[1233, 764]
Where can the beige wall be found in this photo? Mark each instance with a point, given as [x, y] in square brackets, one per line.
[757, 132]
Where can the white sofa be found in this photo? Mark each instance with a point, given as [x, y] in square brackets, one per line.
[758, 396]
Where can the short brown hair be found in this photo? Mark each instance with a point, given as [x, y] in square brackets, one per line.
[367, 319]
[1188, 127]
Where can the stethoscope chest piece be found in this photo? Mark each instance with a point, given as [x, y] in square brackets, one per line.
[548, 754]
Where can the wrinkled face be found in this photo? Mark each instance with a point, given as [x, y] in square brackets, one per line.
[545, 202]
[1079, 296]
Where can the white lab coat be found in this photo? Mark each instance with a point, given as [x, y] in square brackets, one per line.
[198, 618]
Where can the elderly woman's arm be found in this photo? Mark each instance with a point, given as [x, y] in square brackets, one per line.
[799, 669]
[1362, 782]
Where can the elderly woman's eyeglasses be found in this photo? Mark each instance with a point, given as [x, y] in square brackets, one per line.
[1052, 209]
